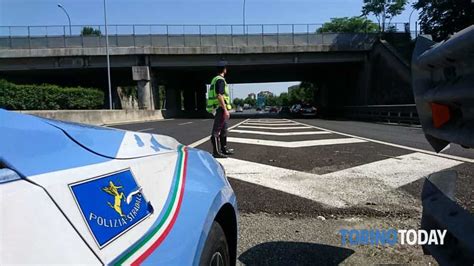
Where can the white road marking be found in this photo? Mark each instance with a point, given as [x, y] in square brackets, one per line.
[270, 124]
[201, 141]
[347, 187]
[453, 157]
[270, 120]
[295, 144]
[281, 133]
[187, 123]
[146, 129]
[260, 127]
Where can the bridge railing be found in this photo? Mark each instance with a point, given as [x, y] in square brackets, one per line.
[141, 35]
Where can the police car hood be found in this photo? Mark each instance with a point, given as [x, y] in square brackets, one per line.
[115, 143]
[31, 145]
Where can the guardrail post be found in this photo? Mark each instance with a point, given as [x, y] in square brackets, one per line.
[134, 41]
[293, 33]
[278, 35]
[64, 36]
[307, 34]
[167, 37]
[247, 34]
[215, 28]
[151, 37]
[29, 38]
[200, 36]
[263, 38]
[10, 36]
[232, 34]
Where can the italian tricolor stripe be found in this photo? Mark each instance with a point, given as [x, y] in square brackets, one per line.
[154, 238]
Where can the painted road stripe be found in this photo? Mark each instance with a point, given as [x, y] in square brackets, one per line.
[205, 139]
[295, 144]
[269, 120]
[276, 128]
[347, 187]
[187, 123]
[453, 157]
[270, 124]
[146, 129]
[281, 133]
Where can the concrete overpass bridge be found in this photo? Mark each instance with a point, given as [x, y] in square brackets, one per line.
[349, 69]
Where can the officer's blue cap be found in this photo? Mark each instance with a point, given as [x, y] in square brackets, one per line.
[222, 64]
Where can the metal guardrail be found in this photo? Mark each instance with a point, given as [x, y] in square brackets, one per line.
[38, 37]
[443, 74]
[442, 212]
[172, 29]
[398, 114]
[443, 85]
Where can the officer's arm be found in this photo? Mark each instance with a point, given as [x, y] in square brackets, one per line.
[220, 89]
[221, 100]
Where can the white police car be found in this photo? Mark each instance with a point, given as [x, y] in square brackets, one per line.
[72, 193]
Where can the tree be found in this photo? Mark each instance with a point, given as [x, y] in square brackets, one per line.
[89, 31]
[443, 18]
[250, 101]
[271, 101]
[284, 100]
[351, 25]
[238, 102]
[383, 10]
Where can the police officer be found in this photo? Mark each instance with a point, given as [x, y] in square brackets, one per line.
[219, 98]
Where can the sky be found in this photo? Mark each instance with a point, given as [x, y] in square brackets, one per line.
[90, 12]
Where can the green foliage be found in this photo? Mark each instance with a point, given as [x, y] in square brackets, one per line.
[383, 10]
[349, 25]
[250, 101]
[48, 97]
[304, 93]
[89, 31]
[284, 99]
[272, 101]
[238, 102]
[444, 17]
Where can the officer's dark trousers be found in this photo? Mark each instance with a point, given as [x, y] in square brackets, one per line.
[219, 129]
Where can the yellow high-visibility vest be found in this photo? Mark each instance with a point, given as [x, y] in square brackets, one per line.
[212, 102]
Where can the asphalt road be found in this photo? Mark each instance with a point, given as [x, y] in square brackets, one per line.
[299, 181]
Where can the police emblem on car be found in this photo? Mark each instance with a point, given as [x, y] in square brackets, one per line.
[111, 204]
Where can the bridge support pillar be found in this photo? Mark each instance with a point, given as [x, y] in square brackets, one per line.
[145, 96]
[141, 74]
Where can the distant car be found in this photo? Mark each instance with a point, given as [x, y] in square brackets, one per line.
[259, 109]
[305, 110]
[294, 110]
[239, 109]
[273, 110]
[81, 194]
[284, 110]
[308, 110]
[267, 108]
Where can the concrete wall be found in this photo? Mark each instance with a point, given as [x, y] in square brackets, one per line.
[100, 117]
[390, 73]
